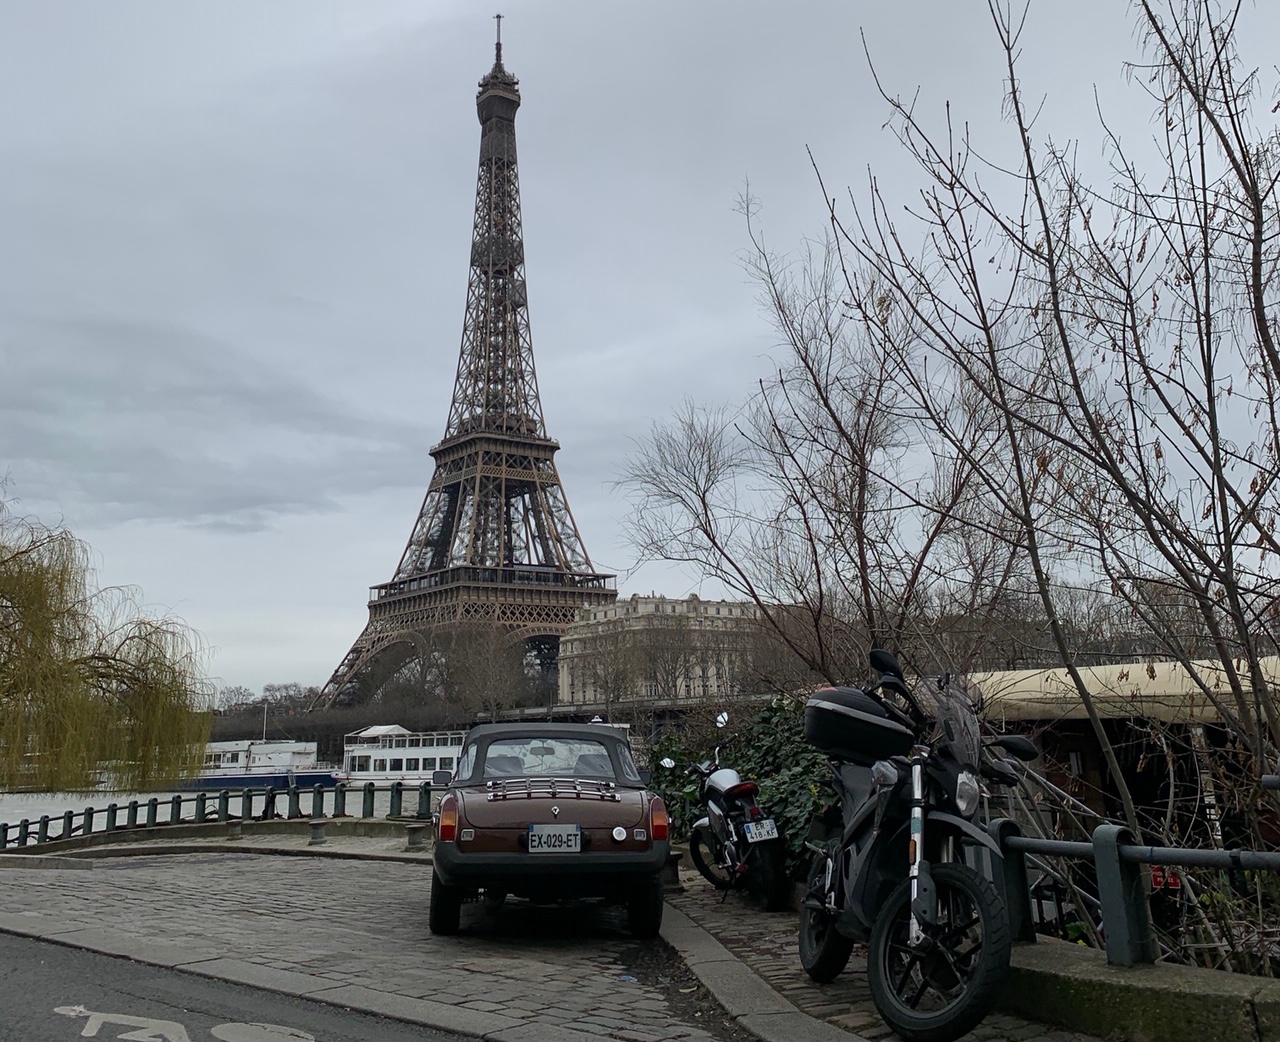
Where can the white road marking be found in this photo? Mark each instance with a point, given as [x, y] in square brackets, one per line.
[260, 1033]
[150, 1030]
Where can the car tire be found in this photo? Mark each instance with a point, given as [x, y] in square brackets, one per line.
[445, 910]
[493, 900]
[644, 909]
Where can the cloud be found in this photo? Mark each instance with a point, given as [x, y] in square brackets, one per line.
[150, 421]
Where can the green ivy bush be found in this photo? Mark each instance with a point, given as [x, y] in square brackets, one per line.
[767, 748]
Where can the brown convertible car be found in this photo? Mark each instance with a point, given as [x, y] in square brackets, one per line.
[548, 812]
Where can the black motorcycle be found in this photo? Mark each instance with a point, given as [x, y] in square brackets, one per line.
[894, 851]
[736, 844]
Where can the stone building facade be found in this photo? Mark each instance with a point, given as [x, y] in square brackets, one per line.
[657, 652]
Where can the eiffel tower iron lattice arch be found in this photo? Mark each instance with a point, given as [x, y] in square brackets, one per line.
[495, 543]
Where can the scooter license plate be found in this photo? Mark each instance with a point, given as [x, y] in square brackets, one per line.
[759, 830]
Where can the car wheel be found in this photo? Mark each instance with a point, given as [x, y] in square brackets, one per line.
[445, 911]
[644, 909]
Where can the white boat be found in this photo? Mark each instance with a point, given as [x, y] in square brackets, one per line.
[260, 764]
[386, 753]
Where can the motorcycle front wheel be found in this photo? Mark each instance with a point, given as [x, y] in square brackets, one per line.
[824, 951]
[943, 988]
[702, 853]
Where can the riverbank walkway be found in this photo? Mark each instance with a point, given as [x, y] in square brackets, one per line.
[346, 923]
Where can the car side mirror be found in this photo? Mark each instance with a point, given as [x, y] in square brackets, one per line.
[1017, 745]
[667, 762]
[441, 778]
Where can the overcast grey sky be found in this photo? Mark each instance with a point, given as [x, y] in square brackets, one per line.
[234, 238]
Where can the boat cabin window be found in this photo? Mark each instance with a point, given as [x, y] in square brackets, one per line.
[428, 763]
[415, 743]
[428, 742]
[379, 765]
[446, 763]
[397, 764]
[400, 743]
[411, 764]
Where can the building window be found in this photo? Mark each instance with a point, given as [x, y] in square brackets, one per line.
[1075, 763]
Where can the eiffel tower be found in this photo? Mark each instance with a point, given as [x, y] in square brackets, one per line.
[495, 542]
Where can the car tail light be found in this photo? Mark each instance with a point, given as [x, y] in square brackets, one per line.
[746, 788]
[659, 822]
[447, 828]
[756, 812]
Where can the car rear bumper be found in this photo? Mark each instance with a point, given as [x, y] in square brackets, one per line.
[587, 874]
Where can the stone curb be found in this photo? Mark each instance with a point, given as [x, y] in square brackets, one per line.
[746, 997]
[1072, 986]
[36, 861]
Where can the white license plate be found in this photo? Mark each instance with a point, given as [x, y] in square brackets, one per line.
[555, 839]
[762, 829]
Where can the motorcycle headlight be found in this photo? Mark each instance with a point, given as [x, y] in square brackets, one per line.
[967, 793]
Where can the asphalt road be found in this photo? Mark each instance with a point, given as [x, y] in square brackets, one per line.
[50, 993]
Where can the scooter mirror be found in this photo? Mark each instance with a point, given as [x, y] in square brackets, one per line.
[884, 663]
[722, 718]
[667, 762]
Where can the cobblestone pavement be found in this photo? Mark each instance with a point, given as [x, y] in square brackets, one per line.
[767, 943]
[363, 924]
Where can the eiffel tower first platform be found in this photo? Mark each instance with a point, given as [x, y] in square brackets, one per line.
[495, 542]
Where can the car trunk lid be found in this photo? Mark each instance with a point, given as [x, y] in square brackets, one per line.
[516, 803]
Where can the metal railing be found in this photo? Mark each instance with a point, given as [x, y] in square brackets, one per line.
[208, 807]
[1122, 887]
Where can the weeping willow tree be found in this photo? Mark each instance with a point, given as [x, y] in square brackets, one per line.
[91, 687]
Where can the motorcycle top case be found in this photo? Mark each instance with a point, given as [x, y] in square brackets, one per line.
[850, 725]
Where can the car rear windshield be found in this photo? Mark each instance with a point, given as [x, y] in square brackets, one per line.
[547, 757]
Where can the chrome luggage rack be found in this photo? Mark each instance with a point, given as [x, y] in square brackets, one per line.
[528, 788]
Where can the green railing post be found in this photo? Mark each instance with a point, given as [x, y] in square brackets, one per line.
[317, 802]
[131, 817]
[42, 833]
[4, 834]
[295, 803]
[202, 808]
[397, 800]
[112, 811]
[269, 804]
[366, 811]
[23, 826]
[153, 811]
[88, 821]
[424, 801]
[224, 805]
[68, 824]
[175, 810]
[246, 805]
[340, 800]
[1122, 892]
